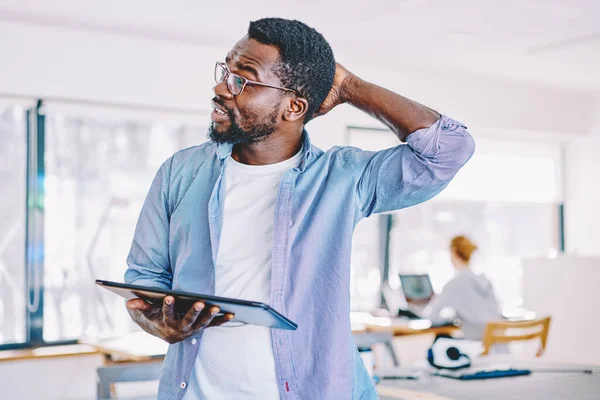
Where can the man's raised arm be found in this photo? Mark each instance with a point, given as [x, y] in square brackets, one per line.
[436, 147]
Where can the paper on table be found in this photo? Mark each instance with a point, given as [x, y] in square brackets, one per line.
[405, 394]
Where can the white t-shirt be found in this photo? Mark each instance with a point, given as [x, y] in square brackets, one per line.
[236, 362]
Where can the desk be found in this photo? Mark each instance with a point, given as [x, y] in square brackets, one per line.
[140, 346]
[368, 330]
[133, 357]
[48, 352]
[540, 385]
[367, 323]
[136, 346]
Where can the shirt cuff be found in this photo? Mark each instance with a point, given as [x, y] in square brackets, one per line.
[421, 138]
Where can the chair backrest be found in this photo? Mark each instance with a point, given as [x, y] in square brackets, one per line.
[497, 332]
[129, 372]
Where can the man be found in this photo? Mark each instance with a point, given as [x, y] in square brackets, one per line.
[259, 213]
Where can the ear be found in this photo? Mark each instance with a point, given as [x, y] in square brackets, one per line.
[296, 110]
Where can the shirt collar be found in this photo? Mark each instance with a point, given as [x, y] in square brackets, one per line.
[224, 150]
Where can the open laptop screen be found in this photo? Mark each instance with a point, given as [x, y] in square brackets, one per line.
[416, 288]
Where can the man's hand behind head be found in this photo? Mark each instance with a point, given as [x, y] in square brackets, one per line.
[337, 94]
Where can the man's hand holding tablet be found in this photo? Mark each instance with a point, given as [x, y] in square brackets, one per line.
[166, 324]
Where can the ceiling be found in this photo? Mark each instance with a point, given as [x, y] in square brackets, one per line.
[543, 42]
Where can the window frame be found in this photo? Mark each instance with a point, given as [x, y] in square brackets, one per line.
[383, 135]
[34, 233]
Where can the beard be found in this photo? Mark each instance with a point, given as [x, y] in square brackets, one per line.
[261, 128]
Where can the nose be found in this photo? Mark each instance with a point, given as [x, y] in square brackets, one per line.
[221, 90]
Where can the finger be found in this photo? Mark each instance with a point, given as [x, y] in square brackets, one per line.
[136, 304]
[148, 310]
[221, 319]
[192, 314]
[206, 317]
[169, 309]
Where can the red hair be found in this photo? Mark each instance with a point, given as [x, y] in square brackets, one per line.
[463, 247]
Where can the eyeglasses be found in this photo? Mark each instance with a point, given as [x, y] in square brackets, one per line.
[236, 83]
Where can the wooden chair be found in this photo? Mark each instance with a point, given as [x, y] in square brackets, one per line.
[497, 332]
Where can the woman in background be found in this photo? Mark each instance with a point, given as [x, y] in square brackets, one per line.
[470, 296]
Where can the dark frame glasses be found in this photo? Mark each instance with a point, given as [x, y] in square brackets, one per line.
[236, 83]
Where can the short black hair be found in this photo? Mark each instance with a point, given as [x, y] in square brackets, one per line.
[306, 65]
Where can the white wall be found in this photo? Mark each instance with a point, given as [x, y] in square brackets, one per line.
[567, 289]
[117, 67]
[582, 193]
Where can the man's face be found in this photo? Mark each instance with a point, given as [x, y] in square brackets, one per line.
[256, 113]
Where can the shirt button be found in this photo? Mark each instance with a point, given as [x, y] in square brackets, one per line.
[194, 341]
[183, 385]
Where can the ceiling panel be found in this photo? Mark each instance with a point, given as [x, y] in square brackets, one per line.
[549, 42]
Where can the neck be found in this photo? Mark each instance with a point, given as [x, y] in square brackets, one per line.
[461, 266]
[278, 147]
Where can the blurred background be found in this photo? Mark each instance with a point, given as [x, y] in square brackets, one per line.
[94, 96]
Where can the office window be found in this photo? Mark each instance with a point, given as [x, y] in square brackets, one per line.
[365, 271]
[13, 173]
[98, 172]
[369, 236]
[504, 232]
[507, 199]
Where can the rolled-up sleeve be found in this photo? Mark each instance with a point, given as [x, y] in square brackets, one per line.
[148, 260]
[413, 172]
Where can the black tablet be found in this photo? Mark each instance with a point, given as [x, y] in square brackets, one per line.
[248, 312]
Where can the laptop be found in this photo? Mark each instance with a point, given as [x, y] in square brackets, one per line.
[417, 288]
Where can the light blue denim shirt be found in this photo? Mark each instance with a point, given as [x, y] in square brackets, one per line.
[318, 205]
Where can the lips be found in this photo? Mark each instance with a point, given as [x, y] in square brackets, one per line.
[219, 114]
